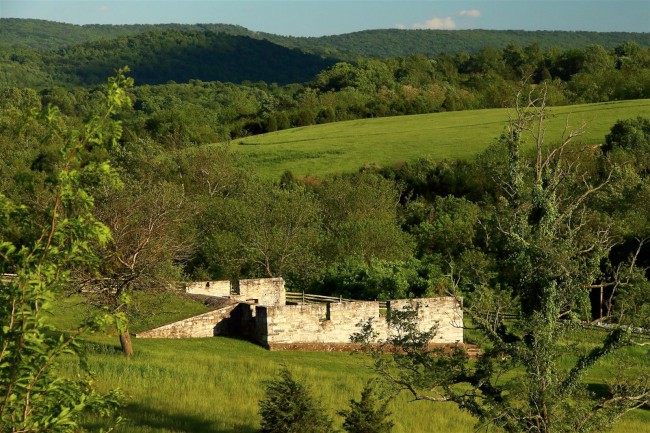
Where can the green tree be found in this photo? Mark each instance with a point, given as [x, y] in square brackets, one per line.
[365, 416]
[34, 396]
[360, 218]
[530, 377]
[264, 230]
[149, 245]
[287, 407]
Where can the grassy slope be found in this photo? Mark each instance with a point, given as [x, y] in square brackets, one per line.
[212, 385]
[347, 146]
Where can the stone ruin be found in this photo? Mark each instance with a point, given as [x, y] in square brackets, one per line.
[258, 310]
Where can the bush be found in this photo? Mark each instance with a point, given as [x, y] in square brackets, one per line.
[289, 408]
[364, 416]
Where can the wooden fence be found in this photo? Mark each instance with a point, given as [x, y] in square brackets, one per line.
[7, 277]
[307, 298]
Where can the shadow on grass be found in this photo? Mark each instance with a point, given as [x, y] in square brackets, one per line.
[142, 416]
[600, 390]
[99, 348]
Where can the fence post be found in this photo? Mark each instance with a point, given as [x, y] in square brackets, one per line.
[303, 296]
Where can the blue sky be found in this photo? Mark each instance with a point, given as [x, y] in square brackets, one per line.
[327, 17]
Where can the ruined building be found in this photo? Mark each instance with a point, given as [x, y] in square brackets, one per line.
[258, 310]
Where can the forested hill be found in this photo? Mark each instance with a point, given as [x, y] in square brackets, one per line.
[45, 35]
[38, 34]
[157, 57]
[394, 42]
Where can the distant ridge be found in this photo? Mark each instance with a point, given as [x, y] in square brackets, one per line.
[395, 42]
[46, 35]
[156, 57]
[38, 34]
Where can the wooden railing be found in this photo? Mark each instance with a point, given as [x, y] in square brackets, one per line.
[307, 298]
[7, 277]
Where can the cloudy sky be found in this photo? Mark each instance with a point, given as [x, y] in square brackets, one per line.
[326, 17]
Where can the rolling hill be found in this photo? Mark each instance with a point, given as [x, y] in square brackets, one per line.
[348, 146]
[43, 35]
[157, 57]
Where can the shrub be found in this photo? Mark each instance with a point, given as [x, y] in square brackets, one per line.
[289, 408]
[364, 416]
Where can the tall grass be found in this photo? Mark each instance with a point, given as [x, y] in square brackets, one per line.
[347, 146]
[213, 385]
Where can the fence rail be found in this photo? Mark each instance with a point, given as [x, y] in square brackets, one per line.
[7, 277]
[314, 299]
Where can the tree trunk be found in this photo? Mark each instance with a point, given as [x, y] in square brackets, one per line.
[125, 342]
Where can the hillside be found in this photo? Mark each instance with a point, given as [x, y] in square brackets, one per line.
[157, 57]
[42, 54]
[217, 382]
[45, 35]
[37, 34]
[347, 146]
[394, 42]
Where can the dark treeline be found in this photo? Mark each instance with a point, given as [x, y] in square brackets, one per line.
[39, 34]
[200, 106]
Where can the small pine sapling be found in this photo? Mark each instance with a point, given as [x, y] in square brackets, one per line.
[288, 407]
[368, 415]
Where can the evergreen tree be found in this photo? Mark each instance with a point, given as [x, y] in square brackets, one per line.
[289, 408]
[364, 416]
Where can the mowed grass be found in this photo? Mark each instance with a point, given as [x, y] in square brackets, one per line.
[347, 146]
[213, 385]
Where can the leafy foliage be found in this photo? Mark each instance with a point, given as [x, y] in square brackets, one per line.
[34, 397]
[529, 378]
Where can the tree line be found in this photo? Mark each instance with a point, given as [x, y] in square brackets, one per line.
[196, 109]
[44, 35]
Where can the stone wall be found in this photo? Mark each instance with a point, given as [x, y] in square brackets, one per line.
[261, 291]
[256, 309]
[207, 324]
[443, 313]
[209, 288]
[334, 323]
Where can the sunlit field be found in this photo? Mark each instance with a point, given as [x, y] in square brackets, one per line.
[213, 385]
[348, 146]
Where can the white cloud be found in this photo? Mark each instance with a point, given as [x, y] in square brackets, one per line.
[432, 24]
[472, 13]
[104, 9]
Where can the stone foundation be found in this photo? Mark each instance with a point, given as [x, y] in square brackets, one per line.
[209, 288]
[207, 324]
[335, 323]
[257, 310]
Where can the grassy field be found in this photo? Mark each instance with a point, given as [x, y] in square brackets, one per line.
[347, 146]
[212, 385]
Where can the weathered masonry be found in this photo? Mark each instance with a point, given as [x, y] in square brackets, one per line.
[257, 310]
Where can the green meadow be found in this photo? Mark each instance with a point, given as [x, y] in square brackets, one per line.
[213, 385]
[347, 146]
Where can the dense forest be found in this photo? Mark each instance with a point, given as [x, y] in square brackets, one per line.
[38, 34]
[205, 86]
[380, 233]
